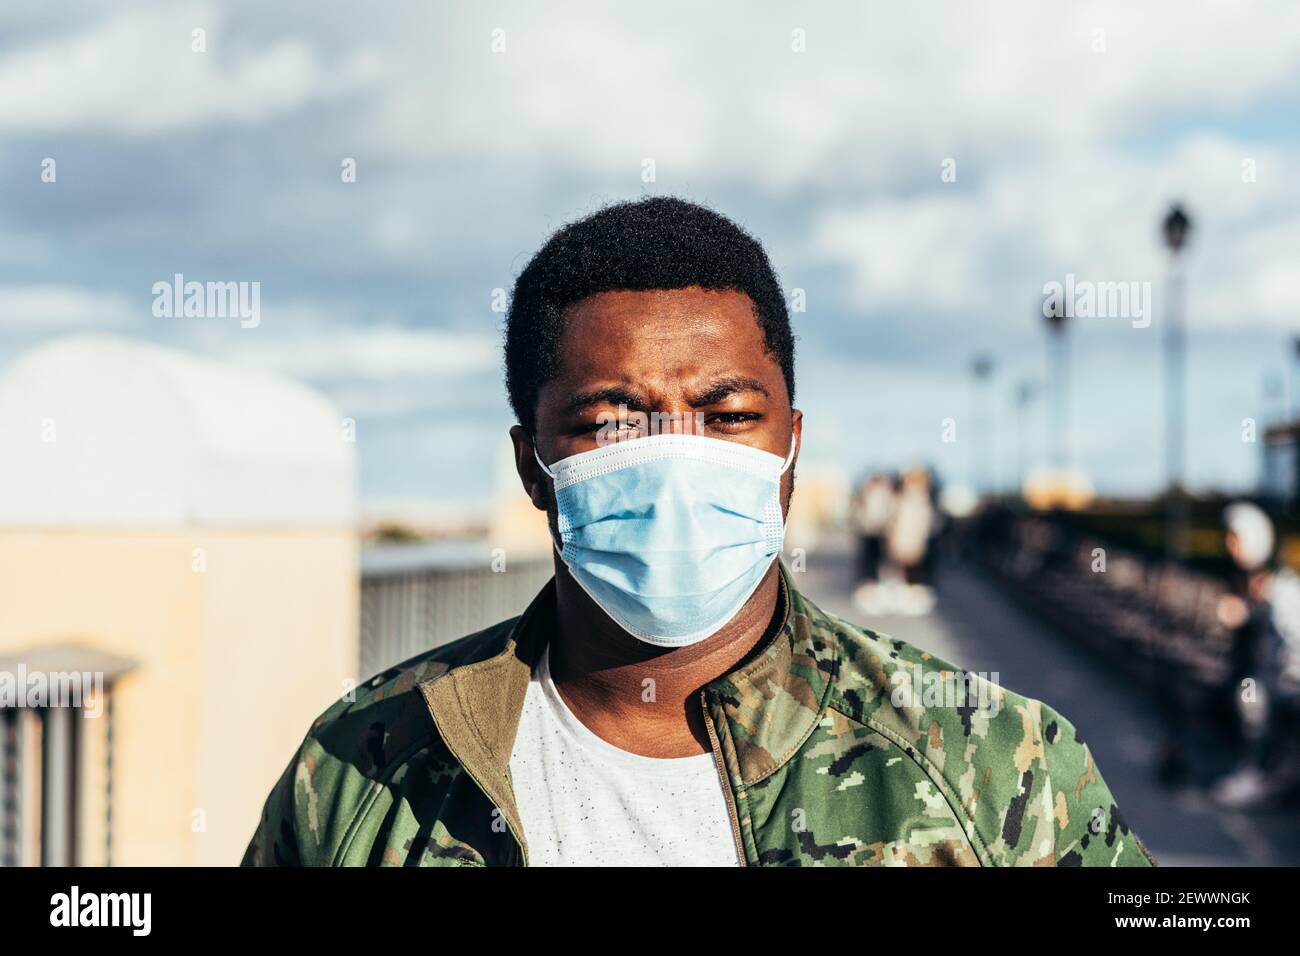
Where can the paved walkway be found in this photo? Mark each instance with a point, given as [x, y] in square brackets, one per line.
[976, 627]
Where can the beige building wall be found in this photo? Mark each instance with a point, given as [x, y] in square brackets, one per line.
[240, 638]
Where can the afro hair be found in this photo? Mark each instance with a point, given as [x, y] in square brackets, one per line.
[646, 244]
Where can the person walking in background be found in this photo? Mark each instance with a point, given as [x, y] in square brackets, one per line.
[873, 506]
[1261, 602]
[911, 524]
[902, 586]
[939, 524]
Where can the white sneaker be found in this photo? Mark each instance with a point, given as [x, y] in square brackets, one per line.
[871, 600]
[1244, 787]
[917, 600]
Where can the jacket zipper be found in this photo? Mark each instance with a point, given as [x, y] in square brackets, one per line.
[721, 765]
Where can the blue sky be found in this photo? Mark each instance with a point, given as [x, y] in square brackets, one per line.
[1071, 125]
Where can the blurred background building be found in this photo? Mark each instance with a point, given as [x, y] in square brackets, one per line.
[187, 530]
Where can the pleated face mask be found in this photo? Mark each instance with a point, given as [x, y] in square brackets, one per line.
[670, 534]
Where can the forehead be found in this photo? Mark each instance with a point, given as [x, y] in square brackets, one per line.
[664, 337]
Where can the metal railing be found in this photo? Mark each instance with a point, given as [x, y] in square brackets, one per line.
[417, 597]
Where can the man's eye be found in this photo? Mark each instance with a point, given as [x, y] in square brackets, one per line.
[609, 426]
[727, 419]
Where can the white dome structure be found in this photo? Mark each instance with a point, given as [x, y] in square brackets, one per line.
[177, 530]
[101, 432]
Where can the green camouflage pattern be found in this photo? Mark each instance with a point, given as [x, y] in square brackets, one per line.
[841, 747]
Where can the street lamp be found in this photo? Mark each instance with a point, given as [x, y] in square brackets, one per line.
[1025, 393]
[1176, 228]
[1056, 314]
[1290, 378]
[982, 370]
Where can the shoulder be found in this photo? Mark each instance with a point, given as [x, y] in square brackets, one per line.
[353, 752]
[1013, 769]
[387, 716]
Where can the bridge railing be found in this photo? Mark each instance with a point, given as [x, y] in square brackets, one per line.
[1156, 620]
[417, 597]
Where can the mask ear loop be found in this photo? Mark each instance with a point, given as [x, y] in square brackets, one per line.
[542, 463]
[555, 544]
[789, 459]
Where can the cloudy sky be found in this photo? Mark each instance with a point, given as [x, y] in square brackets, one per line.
[918, 170]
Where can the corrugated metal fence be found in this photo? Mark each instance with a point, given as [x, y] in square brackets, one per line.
[416, 597]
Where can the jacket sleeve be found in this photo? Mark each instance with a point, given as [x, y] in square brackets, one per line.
[275, 842]
[1087, 825]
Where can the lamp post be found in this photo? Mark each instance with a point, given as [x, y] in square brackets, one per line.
[1056, 313]
[1025, 393]
[982, 370]
[1290, 379]
[1175, 228]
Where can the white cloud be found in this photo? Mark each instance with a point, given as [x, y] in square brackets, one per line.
[137, 73]
[371, 354]
[881, 96]
[984, 252]
[56, 308]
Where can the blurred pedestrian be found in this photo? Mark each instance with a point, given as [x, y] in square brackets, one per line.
[872, 508]
[908, 536]
[1260, 600]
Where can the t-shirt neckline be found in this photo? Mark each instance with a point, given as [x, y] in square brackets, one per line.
[587, 739]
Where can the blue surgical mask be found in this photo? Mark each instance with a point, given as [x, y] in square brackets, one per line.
[670, 534]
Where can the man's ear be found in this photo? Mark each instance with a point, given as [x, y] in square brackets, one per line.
[796, 431]
[796, 427]
[531, 476]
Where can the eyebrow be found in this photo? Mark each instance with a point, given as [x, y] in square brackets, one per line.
[711, 394]
[611, 395]
[722, 388]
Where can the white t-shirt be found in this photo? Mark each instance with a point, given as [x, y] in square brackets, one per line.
[585, 802]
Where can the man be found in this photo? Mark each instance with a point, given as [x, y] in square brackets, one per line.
[670, 697]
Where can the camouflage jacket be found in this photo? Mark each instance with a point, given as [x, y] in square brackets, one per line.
[834, 754]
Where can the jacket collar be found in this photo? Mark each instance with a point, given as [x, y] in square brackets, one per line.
[770, 705]
[773, 703]
[476, 706]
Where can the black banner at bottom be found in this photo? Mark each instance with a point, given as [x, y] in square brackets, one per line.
[339, 906]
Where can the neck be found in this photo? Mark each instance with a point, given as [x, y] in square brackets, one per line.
[639, 697]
